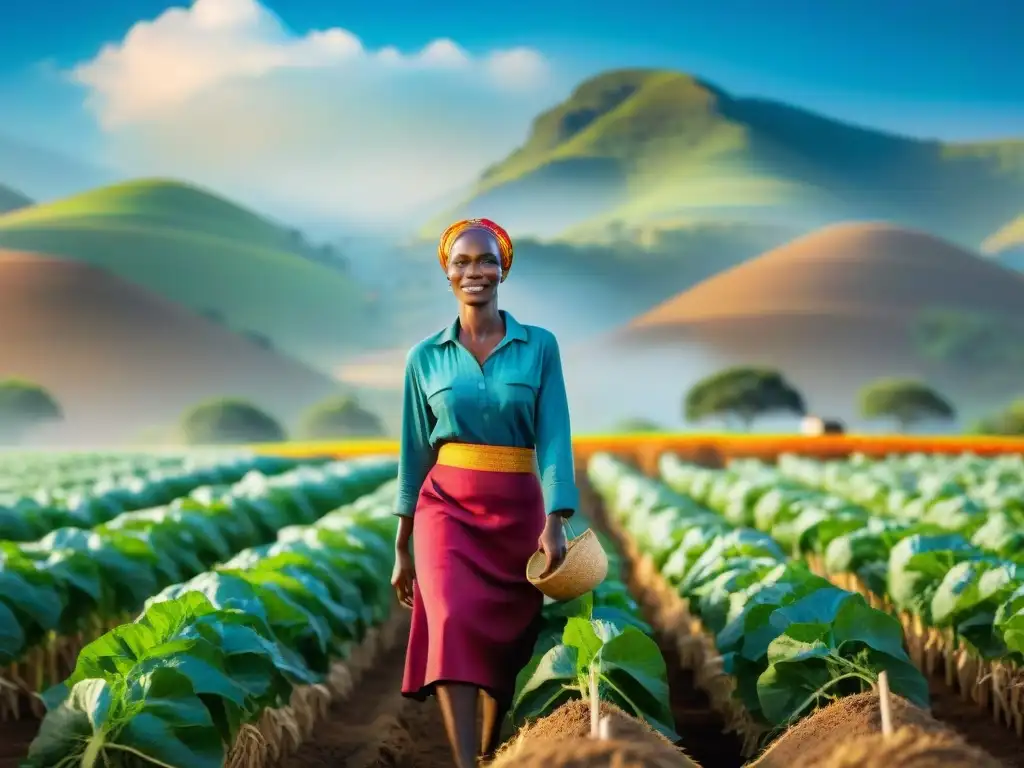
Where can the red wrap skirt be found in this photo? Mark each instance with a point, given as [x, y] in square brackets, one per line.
[475, 617]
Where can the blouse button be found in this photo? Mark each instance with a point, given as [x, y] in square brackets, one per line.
[481, 385]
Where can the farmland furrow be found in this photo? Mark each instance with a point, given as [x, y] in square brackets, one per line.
[974, 724]
[701, 729]
[15, 736]
[377, 726]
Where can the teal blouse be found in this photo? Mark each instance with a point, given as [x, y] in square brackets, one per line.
[517, 398]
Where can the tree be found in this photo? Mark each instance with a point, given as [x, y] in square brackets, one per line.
[1009, 422]
[24, 405]
[229, 421]
[338, 418]
[905, 400]
[743, 393]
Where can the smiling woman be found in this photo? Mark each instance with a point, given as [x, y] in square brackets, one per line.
[484, 409]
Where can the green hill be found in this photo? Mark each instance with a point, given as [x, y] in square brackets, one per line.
[12, 200]
[205, 253]
[636, 151]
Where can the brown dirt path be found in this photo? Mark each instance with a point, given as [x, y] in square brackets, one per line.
[700, 728]
[15, 738]
[975, 724]
[377, 726]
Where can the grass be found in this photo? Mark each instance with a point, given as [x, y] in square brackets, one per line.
[203, 252]
[684, 148]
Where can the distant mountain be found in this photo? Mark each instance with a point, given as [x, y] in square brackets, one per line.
[866, 270]
[45, 174]
[208, 255]
[640, 150]
[120, 359]
[834, 310]
[12, 200]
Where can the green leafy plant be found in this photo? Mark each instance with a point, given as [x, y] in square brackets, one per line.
[596, 647]
[620, 664]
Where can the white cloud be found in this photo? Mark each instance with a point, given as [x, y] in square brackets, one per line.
[224, 94]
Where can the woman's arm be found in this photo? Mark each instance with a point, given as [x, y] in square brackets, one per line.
[554, 435]
[415, 457]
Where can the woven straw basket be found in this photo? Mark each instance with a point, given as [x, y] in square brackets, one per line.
[584, 567]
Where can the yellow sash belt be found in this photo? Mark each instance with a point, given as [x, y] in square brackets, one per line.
[490, 458]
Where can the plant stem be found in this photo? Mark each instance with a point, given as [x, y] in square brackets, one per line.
[140, 755]
[831, 683]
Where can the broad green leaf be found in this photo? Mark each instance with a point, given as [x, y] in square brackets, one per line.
[858, 622]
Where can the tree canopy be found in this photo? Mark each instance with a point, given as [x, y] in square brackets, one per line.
[742, 393]
[905, 400]
[339, 418]
[229, 421]
[1009, 422]
[24, 405]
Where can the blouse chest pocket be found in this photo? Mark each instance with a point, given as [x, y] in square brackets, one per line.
[517, 391]
[440, 397]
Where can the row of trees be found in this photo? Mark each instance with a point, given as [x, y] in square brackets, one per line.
[25, 405]
[742, 394]
[738, 395]
[233, 421]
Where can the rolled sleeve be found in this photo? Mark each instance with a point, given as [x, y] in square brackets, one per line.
[416, 456]
[554, 435]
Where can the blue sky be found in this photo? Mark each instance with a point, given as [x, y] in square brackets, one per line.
[930, 68]
[927, 67]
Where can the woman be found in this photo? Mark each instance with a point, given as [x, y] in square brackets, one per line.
[485, 479]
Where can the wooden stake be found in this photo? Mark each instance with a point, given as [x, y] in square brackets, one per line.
[884, 704]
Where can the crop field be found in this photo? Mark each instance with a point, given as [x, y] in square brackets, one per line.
[234, 608]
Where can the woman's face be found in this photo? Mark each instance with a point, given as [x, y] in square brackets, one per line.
[474, 267]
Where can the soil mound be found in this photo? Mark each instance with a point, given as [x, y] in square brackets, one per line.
[120, 359]
[819, 735]
[572, 721]
[568, 729]
[593, 753]
[908, 747]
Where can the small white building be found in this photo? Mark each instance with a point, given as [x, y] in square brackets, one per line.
[816, 425]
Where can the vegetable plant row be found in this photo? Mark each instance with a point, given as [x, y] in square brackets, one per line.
[59, 593]
[236, 665]
[45, 504]
[934, 540]
[779, 639]
[25, 471]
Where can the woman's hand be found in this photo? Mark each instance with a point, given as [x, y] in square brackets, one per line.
[552, 544]
[403, 576]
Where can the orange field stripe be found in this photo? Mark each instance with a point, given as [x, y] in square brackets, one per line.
[727, 445]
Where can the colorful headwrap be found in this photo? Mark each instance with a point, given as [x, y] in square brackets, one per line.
[450, 235]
